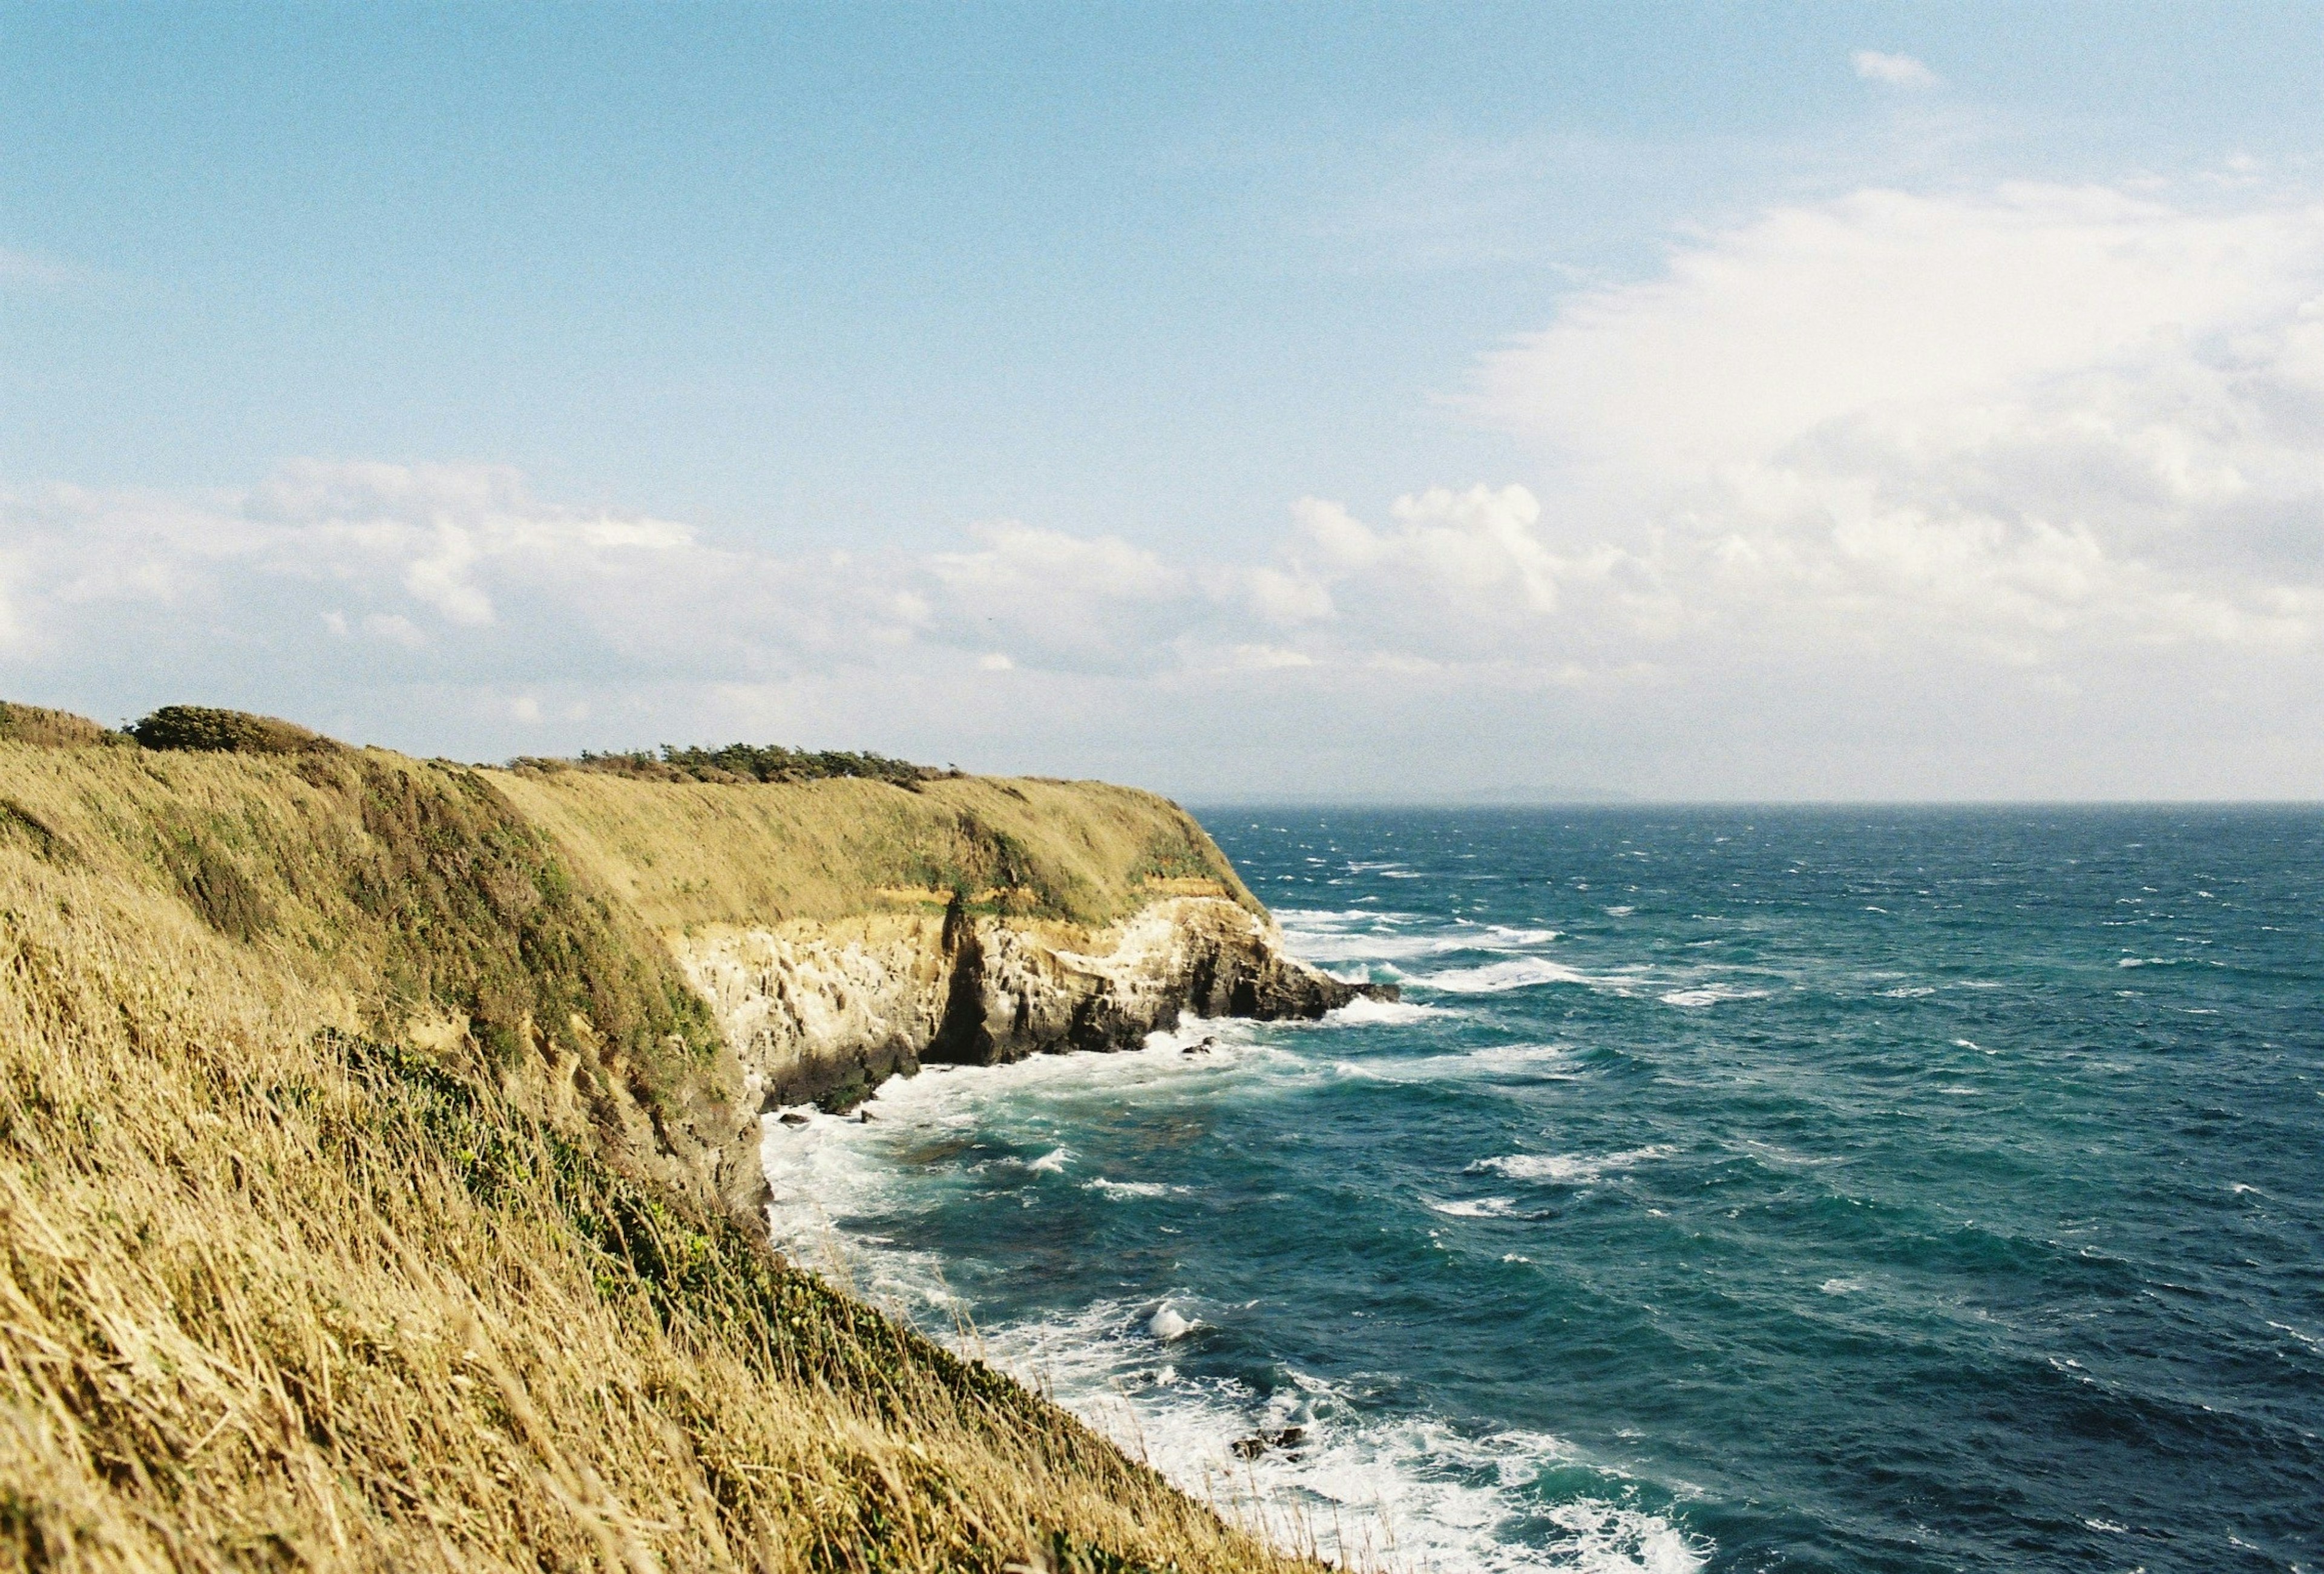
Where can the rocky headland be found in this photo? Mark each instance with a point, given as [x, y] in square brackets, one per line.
[378, 1147]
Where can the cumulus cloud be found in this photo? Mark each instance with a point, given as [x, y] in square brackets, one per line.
[1892, 70]
[2014, 422]
[2020, 492]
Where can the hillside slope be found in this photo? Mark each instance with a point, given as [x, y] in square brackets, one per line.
[361, 1133]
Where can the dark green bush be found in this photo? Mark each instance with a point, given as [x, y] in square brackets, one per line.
[205, 728]
[744, 762]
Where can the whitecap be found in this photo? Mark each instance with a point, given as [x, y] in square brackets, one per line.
[1476, 1207]
[1052, 1162]
[1166, 1324]
[1567, 1169]
[1131, 1188]
[1712, 995]
[1364, 1012]
[1340, 944]
[1517, 973]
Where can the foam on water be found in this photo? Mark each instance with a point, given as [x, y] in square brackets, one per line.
[1364, 1009]
[1712, 995]
[1565, 1169]
[1520, 973]
[1406, 1494]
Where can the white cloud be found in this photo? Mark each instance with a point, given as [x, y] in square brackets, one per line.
[1064, 600]
[2028, 425]
[2012, 493]
[1894, 71]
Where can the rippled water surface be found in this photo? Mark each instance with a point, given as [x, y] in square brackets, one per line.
[1735, 1190]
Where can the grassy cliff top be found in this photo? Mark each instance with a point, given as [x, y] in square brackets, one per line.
[742, 834]
[684, 853]
[282, 1294]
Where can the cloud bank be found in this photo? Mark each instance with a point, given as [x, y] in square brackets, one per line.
[2016, 492]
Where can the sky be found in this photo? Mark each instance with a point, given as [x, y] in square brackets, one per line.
[1445, 403]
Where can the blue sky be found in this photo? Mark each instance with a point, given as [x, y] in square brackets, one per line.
[967, 381]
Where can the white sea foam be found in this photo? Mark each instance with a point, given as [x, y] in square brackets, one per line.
[829, 1171]
[1365, 1011]
[1712, 995]
[1477, 1208]
[1339, 941]
[1372, 1491]
[1167, 1324]
[1567, 1169]
[1397, 1491]
[1528, 1062]
[1131, 1188]
[1528, 1059]
[1520, 973]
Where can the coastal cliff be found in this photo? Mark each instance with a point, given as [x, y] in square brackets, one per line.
[845, 932]
[821, 1012]
[653, 965]
[378, 1152]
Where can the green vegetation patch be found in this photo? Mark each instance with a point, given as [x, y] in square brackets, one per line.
[211, 730]
[484, 919]
[734, 763]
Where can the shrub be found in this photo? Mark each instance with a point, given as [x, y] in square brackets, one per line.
[218, 732]
[55, 729]
[744, 762]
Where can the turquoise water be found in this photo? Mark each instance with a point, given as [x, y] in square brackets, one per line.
[1736, 1190]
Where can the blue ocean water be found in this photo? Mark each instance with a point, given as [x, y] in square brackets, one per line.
[1766, 1189]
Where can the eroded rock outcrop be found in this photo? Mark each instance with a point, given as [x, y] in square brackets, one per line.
[824, 1011]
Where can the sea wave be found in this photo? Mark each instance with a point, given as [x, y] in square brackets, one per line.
[1364, 1010]
[1568, 1169]
[1296, 1457]
[1326, 945]
[1712, 995]
[1519, 973]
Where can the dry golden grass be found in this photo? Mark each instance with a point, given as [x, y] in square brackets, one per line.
[688, 854]
[272, 1294]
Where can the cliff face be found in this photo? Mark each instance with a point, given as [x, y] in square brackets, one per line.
[823, 1011]
[283, 1293]
[649, 965]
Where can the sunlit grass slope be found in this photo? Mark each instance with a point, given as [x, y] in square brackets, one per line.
[692, 853]
[278, 1292]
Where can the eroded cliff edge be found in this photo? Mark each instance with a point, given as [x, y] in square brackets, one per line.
[846, 933]
[649, 965]
[447, 1302]
[821, 1012]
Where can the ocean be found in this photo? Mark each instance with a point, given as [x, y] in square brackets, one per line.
[1734, 1189]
